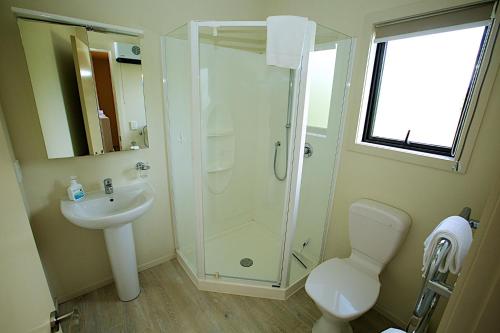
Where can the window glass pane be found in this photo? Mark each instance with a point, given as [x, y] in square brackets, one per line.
[320, 78]
[424, 85]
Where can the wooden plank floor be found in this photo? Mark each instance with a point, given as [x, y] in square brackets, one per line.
[169, 302]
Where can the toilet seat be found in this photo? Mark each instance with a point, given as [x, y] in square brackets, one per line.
[342, 289]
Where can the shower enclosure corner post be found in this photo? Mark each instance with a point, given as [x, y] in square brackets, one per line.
[196, 145]
[295, 172]
[168, 149]
[343, 119]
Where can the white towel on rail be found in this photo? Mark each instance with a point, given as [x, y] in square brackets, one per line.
[285, 40]
[458, 231]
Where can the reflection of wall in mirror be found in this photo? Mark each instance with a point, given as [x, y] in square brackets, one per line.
[49, 56]
[133, 101]
[127, 87]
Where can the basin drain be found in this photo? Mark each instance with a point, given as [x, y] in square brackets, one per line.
[246, 262]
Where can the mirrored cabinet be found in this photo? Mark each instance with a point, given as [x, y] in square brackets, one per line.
[88, 88]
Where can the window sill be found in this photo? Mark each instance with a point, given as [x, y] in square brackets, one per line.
[320, 132]
[408, 156]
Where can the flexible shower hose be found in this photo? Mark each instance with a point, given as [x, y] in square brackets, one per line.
[287, 127]
[276, 146]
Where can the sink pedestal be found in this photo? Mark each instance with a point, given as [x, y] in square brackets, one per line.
[121, 251]
[115, 213]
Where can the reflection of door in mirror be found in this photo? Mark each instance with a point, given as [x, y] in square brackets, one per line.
[106, 100]
[88, 97]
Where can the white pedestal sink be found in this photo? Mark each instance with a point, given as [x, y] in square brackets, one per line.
[114, 213]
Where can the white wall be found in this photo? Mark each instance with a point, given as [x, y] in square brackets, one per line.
[26, 301]
[75, 259]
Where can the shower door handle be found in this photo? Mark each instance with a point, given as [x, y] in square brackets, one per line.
[308, 150]
[56, 319]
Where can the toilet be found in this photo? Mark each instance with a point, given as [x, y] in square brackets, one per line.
[344, 289]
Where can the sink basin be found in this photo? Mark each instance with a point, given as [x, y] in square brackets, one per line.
[99, 210]
[114, 213]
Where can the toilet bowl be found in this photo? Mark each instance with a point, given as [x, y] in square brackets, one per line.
[344, 289]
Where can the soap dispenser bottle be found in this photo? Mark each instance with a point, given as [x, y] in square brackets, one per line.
[75, 190]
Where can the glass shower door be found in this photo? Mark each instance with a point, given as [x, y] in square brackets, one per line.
[244, 108]
[327, 78]
[176, 57]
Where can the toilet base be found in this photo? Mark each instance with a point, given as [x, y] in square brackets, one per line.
[322, 325]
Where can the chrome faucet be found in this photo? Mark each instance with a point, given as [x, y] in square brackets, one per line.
[141, 166]
[108, 186]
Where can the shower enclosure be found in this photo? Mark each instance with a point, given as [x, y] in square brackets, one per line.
[250, 209]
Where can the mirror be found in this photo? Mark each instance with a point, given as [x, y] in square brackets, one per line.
[88, 88]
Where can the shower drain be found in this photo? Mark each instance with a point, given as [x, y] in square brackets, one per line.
[246, 262]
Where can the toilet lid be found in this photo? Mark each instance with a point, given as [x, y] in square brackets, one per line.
[342, 289]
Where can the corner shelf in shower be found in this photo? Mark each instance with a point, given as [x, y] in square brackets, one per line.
[219, 169]
[220, 149]
[220, 133]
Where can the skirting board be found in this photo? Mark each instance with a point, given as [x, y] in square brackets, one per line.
[295, 287]
[186, 269]
[109, 280]
[155, 262]
[389, 315]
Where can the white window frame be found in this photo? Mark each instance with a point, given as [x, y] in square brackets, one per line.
[477, 108]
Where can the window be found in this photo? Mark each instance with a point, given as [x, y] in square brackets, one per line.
[321, 73]
[424, 73]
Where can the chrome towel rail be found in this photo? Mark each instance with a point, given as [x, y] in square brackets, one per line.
[434, 284]
[433, 287]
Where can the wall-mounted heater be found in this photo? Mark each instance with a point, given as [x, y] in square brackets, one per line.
[127, 53]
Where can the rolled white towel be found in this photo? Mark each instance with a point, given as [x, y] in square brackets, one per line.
[285, 40]
[457, 230]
